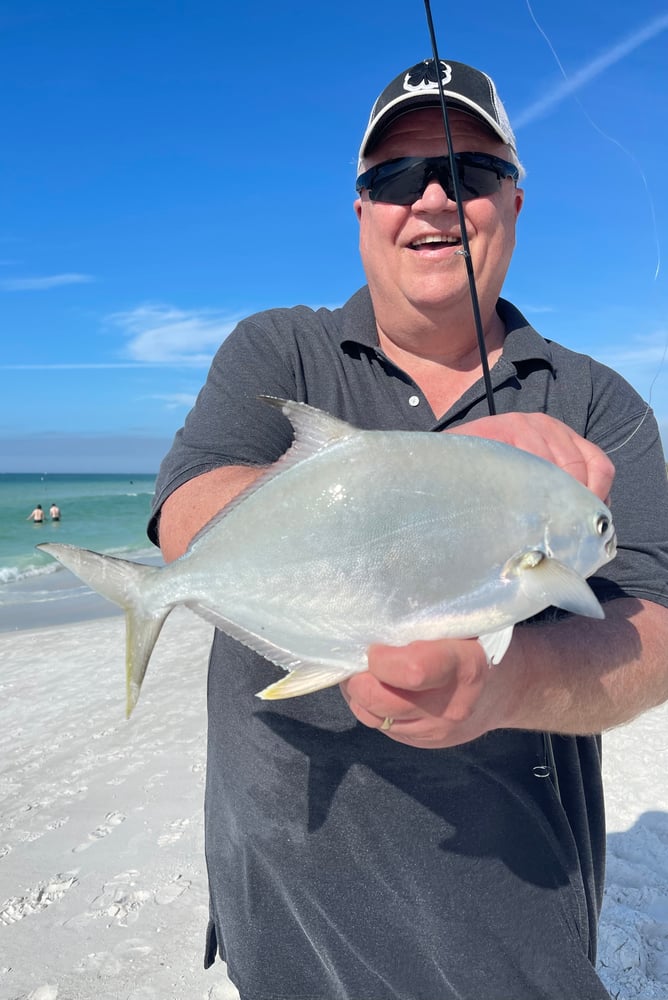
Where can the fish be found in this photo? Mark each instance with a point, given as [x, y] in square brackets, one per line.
[356, 537]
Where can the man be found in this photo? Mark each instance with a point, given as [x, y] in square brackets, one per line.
[37, 515]
[401, 842]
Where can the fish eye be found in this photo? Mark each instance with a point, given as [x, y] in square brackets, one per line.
[602, 524]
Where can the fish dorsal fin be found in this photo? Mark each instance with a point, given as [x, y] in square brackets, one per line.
[314, 430]
[547, 581]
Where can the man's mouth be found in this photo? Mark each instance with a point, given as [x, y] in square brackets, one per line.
[434, 242]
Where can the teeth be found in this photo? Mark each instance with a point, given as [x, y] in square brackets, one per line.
[435, 238]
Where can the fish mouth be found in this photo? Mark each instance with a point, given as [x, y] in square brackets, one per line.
[611, 546]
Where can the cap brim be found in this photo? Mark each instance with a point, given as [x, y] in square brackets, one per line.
[403, 105]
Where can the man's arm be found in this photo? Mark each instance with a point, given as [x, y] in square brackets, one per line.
[575, 675]
[192, 505]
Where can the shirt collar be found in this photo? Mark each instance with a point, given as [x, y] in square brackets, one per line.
[522, 342]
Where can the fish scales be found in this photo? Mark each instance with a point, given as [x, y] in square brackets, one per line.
[355, 537]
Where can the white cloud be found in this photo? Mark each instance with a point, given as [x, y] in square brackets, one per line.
[165, 334]
[177, 400]
[590, 71]
[43, 283]
[537, 309]
[648, 350]
[67, 366]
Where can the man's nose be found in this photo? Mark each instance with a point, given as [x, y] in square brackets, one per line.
[434, 198]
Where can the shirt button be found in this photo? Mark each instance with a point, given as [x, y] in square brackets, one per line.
[413, 400]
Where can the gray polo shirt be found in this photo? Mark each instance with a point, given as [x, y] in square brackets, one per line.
[342, 865]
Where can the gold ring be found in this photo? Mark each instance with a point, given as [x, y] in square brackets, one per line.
[386, 724]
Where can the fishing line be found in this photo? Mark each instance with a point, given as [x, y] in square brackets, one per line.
[548, 769]
[652, 209]
[607, 137]
[464, 252]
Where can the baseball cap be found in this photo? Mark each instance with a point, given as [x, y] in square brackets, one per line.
[464, 87]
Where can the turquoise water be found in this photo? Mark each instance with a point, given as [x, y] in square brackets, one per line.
[107, 513]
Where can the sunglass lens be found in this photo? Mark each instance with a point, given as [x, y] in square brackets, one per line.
[476, 181]
[400, 183]
[403, 181]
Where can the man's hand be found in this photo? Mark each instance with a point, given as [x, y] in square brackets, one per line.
[550, 439]
[438, 693]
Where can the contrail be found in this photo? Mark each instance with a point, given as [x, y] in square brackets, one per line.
[593, 69]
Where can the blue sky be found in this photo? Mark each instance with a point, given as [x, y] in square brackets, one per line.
[167, 168]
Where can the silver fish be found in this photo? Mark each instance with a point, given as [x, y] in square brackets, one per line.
[355, 537]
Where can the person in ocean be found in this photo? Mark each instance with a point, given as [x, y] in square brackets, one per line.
[37, 515]
[421, 833]
[54, 512]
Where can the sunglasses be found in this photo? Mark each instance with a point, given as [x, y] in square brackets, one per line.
[403, 181]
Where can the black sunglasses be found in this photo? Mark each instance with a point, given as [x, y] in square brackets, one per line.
[403, 181]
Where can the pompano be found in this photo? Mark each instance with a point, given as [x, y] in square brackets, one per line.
[355, 537]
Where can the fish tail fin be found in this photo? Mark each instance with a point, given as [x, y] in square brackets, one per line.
[125, 583]
[141, 635]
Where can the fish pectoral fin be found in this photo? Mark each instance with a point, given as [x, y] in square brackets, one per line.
[546, 581]
[305, 679]
[495, 644]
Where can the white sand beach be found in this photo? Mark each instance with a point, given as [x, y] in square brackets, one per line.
[102, 877]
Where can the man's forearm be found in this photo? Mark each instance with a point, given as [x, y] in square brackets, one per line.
[581, 676]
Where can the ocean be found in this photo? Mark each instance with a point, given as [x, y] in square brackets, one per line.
[104, 512]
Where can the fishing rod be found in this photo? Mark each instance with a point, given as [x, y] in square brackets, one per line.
[464, 252]
[548, 768]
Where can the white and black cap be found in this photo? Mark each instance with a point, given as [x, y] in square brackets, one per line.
[465, 88]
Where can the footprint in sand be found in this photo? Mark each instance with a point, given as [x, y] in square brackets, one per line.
[101, 963]
[174, 832]
[57, 823]
[38, 898]
[174, 889]
[111, 820]
[120, 899]
[45, 992]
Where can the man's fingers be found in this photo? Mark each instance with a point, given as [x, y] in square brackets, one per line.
[552, 440]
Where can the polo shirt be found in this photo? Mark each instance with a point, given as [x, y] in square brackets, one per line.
[343, 865]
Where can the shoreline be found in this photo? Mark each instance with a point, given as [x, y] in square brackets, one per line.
[52, 599]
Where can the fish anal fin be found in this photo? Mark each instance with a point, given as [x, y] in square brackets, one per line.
[306, 679]
[303, 675]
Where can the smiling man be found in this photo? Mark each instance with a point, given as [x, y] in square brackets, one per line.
[412, 250]
[417, 833]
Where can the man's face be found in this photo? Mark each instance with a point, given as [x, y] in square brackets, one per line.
[406, 270]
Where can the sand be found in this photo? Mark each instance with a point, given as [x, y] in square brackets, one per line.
[102, 877]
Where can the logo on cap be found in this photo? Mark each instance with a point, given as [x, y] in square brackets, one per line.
[422, 78]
